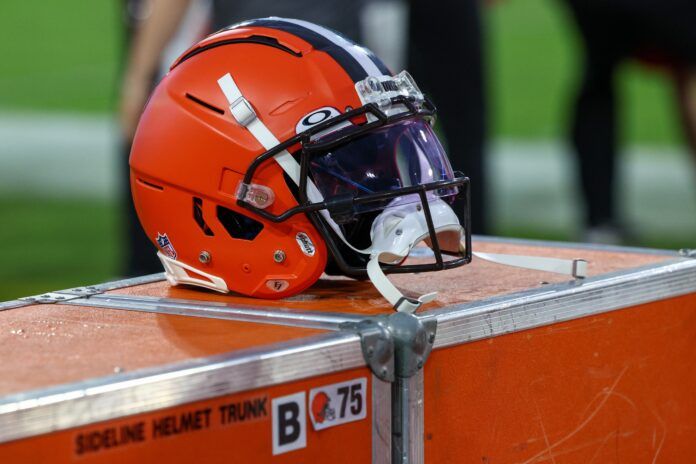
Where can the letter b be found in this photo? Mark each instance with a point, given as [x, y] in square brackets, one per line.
[289, 423]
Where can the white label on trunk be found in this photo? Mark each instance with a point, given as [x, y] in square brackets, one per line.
[338, 403]
[289, 423]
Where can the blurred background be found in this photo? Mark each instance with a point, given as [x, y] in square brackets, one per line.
[61, 217]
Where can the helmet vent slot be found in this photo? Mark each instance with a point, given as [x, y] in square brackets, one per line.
[149, 184]
[238, 225]
[254, 39]
[205, 104]
[198, 216]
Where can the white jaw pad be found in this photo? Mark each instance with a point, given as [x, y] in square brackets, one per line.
[399, 228]
[394, 234]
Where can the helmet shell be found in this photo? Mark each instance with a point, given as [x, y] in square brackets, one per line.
[189, 156]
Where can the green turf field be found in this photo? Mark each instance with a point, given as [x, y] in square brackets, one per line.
[53, 244]
[63, 57]
[533, 61]
[59, 56]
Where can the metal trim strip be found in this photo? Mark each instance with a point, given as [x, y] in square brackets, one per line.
[563, 302]
[574, 245]
[12, 304]
[417, 419]
[43, 411]
[122, 283]
[180, 307]
[381, 421]
[86, 290]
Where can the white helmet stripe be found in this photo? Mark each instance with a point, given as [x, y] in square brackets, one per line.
[356, 51]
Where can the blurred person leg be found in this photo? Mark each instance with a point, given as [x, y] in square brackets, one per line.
[686, 97]
[446, 59]
[667, 33]
[340, 15]
[611, 31]
[593, 131]
[140, 254]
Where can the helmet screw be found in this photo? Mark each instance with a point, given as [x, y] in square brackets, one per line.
[279, 256]
[261, 199]
[204, 257]
[398, 231]
[419, 207]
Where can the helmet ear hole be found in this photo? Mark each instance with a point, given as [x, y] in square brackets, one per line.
[198, 217]
[237, 225]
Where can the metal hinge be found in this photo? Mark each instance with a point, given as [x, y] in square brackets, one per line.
[62, 295]
[396, 345]
[688, 252]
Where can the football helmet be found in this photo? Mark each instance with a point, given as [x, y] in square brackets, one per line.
[276, 150]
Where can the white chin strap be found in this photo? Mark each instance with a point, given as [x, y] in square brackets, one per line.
[572, 267]
[394, 232]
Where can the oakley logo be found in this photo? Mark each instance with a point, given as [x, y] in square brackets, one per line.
[316, 117]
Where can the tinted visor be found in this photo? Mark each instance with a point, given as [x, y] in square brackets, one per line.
[391, 157]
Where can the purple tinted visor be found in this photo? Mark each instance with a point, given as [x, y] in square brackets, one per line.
[392, 157]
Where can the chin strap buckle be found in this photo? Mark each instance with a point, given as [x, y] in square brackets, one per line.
[241, 109]
[393, 295]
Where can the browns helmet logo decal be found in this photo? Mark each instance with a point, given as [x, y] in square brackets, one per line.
[321, 408]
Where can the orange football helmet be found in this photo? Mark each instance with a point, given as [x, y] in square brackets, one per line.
[276, 150]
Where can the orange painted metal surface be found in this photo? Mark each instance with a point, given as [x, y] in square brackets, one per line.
[214, 434]
[616, 387]
[47, 345]
[613, 387]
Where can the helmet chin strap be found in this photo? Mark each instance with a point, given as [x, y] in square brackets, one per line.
[394, 232]
[572, 267]
[393, 295]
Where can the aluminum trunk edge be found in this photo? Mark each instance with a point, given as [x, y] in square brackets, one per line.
[72, 405]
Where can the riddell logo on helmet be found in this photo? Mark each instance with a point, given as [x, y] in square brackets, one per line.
[165, 245]
[277, 285]
[305, 243]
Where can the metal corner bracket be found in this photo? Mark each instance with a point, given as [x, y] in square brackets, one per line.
[397, 345]
[688, 252]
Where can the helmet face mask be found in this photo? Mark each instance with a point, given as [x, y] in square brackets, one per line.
[347, 207]
[313, 144]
